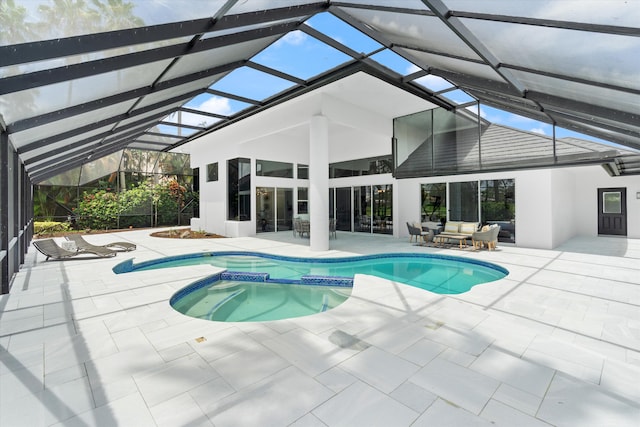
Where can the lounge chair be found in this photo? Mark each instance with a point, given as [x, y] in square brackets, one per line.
[51, 249]
[83, 244]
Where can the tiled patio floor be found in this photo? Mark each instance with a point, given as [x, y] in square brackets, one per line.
[556, 342]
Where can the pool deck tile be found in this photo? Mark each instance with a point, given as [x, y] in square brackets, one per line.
[380, 369]
[556, 342]
[363, 405]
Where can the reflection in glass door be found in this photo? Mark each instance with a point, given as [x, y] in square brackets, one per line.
[362, 208]
[463, 201]
[343, 208]
[274, 209]
[265, 212]
[498, 206]
[383, 209]
[284, 209]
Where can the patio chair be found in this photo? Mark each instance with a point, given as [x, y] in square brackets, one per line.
[82, 244]
[488, 235]
[51, 249]
[304, 227]
[416, 231]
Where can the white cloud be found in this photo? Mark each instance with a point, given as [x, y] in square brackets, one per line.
[474, 110]
[538, 130]
[430, 81]
[294, 38]
[216, 105]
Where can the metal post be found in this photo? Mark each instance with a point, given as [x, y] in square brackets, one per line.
[14, 250]
[479, 138]
[555, 155]
[4, 211]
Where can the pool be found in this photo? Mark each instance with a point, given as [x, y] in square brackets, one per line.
[259, 287]
[440, 274]
[245, 301]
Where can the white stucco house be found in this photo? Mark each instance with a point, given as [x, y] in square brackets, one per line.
[353, 119]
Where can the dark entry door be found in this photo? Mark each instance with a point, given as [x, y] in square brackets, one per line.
[612, 211]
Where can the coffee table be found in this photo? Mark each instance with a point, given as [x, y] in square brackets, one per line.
[440, 239]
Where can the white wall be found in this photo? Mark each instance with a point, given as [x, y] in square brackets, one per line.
[282, 134]
[588, 180]
[533, 215]
[552, 205]
[562, 201]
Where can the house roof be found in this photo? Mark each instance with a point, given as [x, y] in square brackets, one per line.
[501, 147]
[80, 81]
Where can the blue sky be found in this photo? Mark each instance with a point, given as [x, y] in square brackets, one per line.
[303, 56]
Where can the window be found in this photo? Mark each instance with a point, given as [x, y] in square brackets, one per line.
[196, 190]
[611, 202]
[265, 212]
[212, 172]
[303, 200]
[435, 142]
[434, 202]
[463, 201]
[303, 171]
[359, 167]
[495, 200]
[239, 189]
[382, 209]
[498, 206]
[362, 208]
[275, 169]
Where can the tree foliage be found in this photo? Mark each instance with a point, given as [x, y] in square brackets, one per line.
[147, 204]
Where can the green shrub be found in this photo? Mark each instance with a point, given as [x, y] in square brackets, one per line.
[142, 206]
[98, 210]
[40, 227]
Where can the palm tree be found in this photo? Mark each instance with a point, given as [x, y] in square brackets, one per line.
[72, 17]
[14, 27]
[68, 18]
[116, 15]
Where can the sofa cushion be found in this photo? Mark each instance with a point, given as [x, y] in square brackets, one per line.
[451, 227]
[468, 227]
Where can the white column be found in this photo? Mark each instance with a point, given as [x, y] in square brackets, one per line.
[319, 183]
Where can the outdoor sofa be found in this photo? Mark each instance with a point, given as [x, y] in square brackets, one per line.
[456, 231]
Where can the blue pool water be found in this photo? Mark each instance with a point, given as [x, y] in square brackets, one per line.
[436, 273]
[239, 301]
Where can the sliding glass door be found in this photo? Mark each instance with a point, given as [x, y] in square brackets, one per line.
[343, 209]
[485, 201]
[463, 201]
[265, 212]
[498, 206]
[274, 209]
[284, 209]
[362, 208]
[382, 209]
